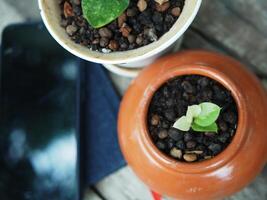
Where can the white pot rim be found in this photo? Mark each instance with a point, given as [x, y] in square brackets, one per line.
[51, 17]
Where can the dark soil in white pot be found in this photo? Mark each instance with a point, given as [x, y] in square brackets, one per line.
[133, 29]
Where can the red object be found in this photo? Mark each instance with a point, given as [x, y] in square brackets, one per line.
[155, 195]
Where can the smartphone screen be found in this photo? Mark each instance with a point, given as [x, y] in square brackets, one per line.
[38, 142]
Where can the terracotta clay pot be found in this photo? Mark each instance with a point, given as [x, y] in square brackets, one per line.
[220, 176]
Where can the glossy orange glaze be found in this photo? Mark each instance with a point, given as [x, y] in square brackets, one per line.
[220, 176]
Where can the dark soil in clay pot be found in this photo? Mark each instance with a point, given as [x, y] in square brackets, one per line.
[133, 29]
[171, 101]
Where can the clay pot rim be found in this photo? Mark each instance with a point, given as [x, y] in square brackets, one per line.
[207, 165]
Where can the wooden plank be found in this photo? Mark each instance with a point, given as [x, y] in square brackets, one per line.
[252, 11]
[257, 190]
[91, 195]
[123, 185]
[233, 33]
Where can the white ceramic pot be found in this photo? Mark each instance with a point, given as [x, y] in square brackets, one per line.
[140, 57]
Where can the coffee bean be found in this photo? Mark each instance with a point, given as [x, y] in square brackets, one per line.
[169, 19]
[180, 144]
[68, 10]
[176, 11]
[210, 134]
[96, 41]
[131, 38]
[113, 26]
[105, 32]
[122, 19]
[200, 147]
[82, 31]
[71, 29]
[191, 144]
[125, 30]
[187, 86]
[176, 153]
[198, 152]
[155, 120]
[199, 138]
[131, 12]
[203, 82]
[219, 94]
[123, 43]
[170, 114]
[175, 134]
[157, 18]
[206, 141]
[190, 157]
[222, 126]
[170, 143]
[162, 7]
[162, 134]
[207, 157]
[165, 124]
[186, 96]
[188, 137]
[64, 23]
[104, 42]
[166, 92]
[207, 95]
[142, 5]
[77, 10]
[76, 2]
[230, 117]
[215, 148]
[161, 145]
[113, 45]
[224, 137]
[139, 40]
[170, 102]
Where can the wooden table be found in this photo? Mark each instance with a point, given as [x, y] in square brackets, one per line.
[234, 27]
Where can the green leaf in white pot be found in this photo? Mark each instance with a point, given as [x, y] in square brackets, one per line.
[208, 115]
[99, 13]
[183, 123]
[211, 128]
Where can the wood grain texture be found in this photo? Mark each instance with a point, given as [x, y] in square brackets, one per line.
[91, 195]
[123, 185]
[233, 33]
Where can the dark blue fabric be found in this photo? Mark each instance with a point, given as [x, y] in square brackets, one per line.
[98, 123]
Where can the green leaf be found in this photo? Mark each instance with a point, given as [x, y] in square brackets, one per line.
[193, 111]
[208, 115]
[211, 128]
[183, 123]
[99, 13]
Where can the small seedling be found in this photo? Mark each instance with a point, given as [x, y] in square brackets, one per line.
[99, 13]
[201, 118]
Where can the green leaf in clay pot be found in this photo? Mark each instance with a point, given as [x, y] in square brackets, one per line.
[211, 128]
[99, 13]
[208, 115]
[193, 111]
[183, 123]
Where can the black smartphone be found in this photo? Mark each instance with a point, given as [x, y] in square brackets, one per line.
[38, 138]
